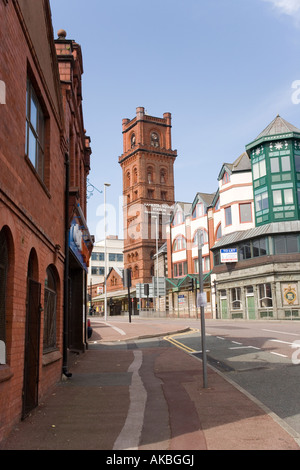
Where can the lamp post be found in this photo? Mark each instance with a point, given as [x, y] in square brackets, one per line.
[157, 277]
[201, 305]
[106, 185]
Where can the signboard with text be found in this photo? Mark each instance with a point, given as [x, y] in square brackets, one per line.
[229, 255]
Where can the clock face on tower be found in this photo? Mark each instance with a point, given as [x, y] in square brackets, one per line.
[154, 140]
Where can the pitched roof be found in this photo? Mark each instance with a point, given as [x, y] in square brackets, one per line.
[278, 126]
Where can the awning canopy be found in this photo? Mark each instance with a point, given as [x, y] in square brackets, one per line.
[180, 283]
[120, 294]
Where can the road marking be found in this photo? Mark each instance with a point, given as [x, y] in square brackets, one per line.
[116, 328]
[279, 341]
[220, 337]
[236, 342]
[282, 332]
[180, 345]
[243, 347]
[277, 354]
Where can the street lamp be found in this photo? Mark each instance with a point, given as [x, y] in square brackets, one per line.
[106, 185]
[157, 278]
[201, 303]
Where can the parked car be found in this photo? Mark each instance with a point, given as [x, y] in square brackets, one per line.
[89, 328]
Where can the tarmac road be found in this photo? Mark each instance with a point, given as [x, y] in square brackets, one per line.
[133, 390]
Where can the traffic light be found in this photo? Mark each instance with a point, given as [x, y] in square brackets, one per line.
[191, 284]
[146, 290]
[127, 278]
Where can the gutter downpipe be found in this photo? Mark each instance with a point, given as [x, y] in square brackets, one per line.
[66, 273]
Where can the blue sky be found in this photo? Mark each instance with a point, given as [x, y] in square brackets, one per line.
[223, 68]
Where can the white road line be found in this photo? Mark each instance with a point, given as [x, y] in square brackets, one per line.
[236, 342]
[282, 332]
[220, 337]
[129, 437]
[277, 354]
[279, 341]
[116, 328]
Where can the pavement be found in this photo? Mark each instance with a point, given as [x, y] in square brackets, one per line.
[146, 396]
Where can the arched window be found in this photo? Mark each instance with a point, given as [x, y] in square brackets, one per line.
[179, 243]
[150, 174]
[3, 284]
[50, 302]
[163, 176]
[219, 232]
[204, 239]
[128, 179]
[135, 175]
[133, 141]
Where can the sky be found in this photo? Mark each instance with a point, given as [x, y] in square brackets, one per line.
[224, 69]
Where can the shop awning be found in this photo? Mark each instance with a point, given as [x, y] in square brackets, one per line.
[120, 294]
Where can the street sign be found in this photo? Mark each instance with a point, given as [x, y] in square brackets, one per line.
[141, 291]
[161, 281]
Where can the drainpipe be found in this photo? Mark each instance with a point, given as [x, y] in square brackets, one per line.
[66, 273]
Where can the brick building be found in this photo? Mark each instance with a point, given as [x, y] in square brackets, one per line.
[148, 188]
[37, 144]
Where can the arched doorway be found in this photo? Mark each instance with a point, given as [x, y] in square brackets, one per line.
[32, 337]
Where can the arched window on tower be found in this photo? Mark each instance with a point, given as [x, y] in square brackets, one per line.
[163, 176]
[150, 174]
[133, 141]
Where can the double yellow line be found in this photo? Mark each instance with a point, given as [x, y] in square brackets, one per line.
[182, 346]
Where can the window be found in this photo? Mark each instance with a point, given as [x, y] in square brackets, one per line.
[204, 236]
[35, 131]
[226, 178]
[265, 295]
[98, 271]
[150, 193]
[236, 298]
[219, 232]
[163, 176]
[50, 312]
[261, 201]
[120, 258]
[179, 243]
[288, 196]
[3, 283]
[245, 213]
[286, 244]
[205, 264]
[228, 216]
[97, 256]
[297, 163]
[178, 218]
[259, 247]
[279, 164]
[277, 198]
[180, 269]
[198, 210]
[281, 197]
[245, 251]
[259, 169]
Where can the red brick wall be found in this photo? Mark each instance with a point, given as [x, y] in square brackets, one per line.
[31, 211]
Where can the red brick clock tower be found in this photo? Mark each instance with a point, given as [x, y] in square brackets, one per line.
[148, 189]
